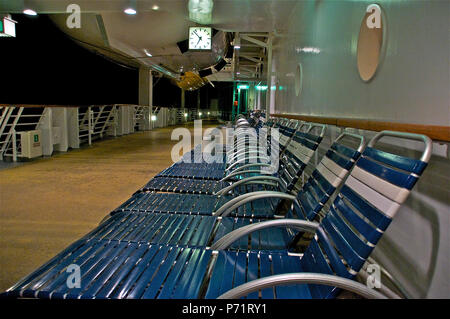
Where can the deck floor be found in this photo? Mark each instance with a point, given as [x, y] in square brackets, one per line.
[48, 203]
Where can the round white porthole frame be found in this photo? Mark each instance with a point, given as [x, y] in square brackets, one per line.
[382, 52]
[298, 79]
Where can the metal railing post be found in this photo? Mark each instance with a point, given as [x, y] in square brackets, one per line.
[14, 149]
[90, 117]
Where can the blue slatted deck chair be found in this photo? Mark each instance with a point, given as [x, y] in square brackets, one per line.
[377, 186]
[142, 225]
[241, 133]
[245, 177]
[195, 167]
[292, 163]
[309, 201]
[374, 191]
[244, 151]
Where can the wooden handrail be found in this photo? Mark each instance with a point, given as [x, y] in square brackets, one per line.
[435, 132]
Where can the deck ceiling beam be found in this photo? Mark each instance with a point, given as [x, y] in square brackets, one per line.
[250, 58]
[254, 41]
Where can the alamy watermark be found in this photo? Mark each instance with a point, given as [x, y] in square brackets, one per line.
[374, 19]
[74, 19]
[374, 278]
[74, 278]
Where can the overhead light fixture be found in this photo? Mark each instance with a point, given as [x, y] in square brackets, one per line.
[155, 7]
[261, 87]
[243, 87]
[153, 117]
[185, 115]
[200, 114]
[147, 53]
[130, 11]
[308, 50]
[30, 12]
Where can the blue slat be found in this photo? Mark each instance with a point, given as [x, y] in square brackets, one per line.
[338, 159]
[401, 162]
[158, 279]
[352, 258]
[371, 234]
[239, 269]
[342, 149]
[284, 292]
[351, 238]
[172, 279]
[252, 272]
[392, 176]
[374, 215]
[131, 257]
[213, 290]
[265, 265]
[137, 271]
[148, 273]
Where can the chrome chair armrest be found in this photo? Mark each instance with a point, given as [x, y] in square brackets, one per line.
[247, 180]
[230, 238]
[302, 278]
[244, 172]
[251, 165]
[234, 203]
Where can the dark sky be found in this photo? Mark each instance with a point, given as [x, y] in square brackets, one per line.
[43, 66]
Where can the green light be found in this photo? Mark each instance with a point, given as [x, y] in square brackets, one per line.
[1, 26]
[281, 87]
[261, 87]
[243, 87]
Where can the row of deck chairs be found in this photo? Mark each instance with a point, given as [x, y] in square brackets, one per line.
[232, 230]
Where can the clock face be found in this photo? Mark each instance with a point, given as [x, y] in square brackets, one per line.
[200, 38]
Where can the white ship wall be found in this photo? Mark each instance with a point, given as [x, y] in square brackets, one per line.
[411, 86]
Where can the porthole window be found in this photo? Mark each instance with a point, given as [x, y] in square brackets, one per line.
[298, 79]
[370, 42]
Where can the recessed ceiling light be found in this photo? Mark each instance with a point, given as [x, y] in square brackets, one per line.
[130, 11]
[155, 7]
[29, 12]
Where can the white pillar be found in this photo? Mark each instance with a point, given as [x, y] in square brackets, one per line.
[146, 92]
[45, 126]
[72, 127]
[269, 76]
[60, 128]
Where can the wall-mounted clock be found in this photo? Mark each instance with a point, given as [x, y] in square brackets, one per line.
[200, 38]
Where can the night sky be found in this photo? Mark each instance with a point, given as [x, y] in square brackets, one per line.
[44, 66]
